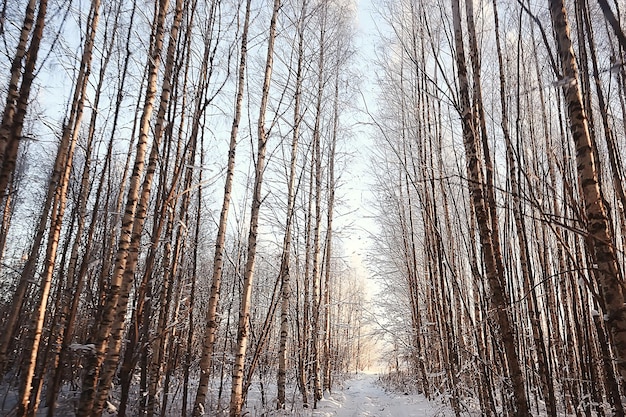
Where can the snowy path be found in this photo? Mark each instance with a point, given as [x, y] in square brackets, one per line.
[363, 397]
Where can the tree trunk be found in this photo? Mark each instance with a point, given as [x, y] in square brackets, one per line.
[286, 251]
[11, 128]
[495, 276]
[59, 183]
[206, 359]
[525, 261]
[304, 364]
[114, 344]
[236, 398]
[327, 382]
[597, 225]
[610, 17]
[14, 79]
[75, 272]
[317, 261]
[192, 291]
[17, 102]
[118, 288]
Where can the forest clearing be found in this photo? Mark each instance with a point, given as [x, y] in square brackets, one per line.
[235, 208]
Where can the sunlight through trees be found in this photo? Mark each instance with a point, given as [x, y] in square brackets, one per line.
[181, 182]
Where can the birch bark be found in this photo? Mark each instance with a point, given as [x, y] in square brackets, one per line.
[208, 345]
[606, 269]
[480, 201]
[243, 327]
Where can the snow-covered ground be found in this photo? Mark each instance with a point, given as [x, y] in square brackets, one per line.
[362, 396]
[365, 397]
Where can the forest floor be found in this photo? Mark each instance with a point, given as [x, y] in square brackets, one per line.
[361, 396]
[365, 397]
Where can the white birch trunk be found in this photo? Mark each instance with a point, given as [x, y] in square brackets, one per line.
[236, 397]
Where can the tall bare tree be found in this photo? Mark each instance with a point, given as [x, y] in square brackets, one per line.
[607, 271]
[18, 99]
[218, 260]
[491, 254]
[285, 260]
[243, 326]
[58, 189]
[117, 285]
[10, 134]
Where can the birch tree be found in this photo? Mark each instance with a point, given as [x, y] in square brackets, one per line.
[285, 259]
[22, 69]
[236, 397]
[58, 188]
[491, 253]
[218, 260]
[117, 285]
[11, 131]
[606, 270]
